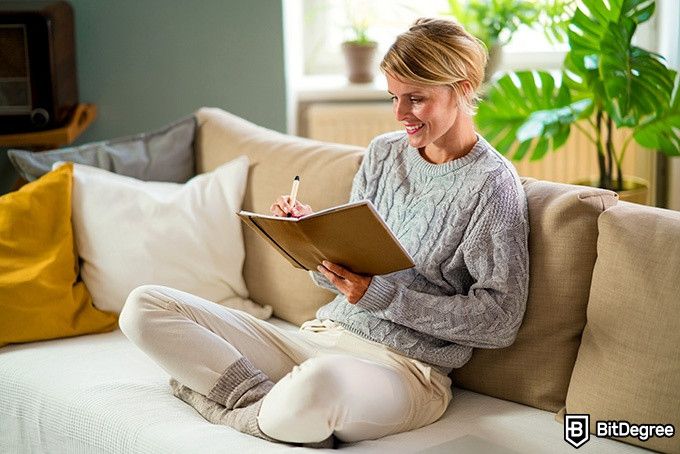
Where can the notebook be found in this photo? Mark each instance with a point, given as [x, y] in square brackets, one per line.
[351, 235]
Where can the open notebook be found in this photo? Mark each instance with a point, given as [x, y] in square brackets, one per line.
[352, 235]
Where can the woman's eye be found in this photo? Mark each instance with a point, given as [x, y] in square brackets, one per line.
[411, 99]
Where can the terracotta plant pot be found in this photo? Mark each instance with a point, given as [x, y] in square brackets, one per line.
[359, 58]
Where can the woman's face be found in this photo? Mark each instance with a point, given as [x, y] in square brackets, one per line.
[428, 113]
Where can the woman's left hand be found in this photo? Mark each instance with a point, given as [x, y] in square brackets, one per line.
[352, 285]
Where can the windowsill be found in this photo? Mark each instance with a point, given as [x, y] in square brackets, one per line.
[337, 88]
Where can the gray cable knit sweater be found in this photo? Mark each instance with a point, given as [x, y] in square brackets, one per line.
[465, 224]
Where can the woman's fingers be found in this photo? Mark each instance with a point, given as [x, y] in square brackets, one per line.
[300, 209]
[336, 269]
[352, 285]
[328, 273]
[281, 207]
[284, 203]
[275, 209]
[333, 278]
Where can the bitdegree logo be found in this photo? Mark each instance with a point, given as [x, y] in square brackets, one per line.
[642, 432]
[577, 430]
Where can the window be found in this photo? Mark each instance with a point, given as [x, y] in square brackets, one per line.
[326, 24]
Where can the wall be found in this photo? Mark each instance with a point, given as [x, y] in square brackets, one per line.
[145, 63]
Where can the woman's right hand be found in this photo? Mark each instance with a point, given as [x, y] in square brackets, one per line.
[282, 207]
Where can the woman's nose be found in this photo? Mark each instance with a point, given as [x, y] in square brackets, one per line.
[400, 110]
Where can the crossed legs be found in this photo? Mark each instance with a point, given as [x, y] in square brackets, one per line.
[282, 385]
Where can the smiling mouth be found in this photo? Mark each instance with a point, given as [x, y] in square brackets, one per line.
[413, 129]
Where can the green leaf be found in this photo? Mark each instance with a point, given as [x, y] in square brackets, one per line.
[590, 23]
[542, 147]
[636, 82]
[662, 131]
[529, 110]
[521, 150]
[638, 10]
[559, 140]
[575, 81]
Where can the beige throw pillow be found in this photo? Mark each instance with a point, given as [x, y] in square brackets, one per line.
[628, 365]
[535, 370]
[326, 172]
[186, 236]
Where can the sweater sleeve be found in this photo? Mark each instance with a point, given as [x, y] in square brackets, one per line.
[495, 251]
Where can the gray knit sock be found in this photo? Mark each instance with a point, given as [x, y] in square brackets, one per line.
[240, 385]
[235, 400]
[242, 419]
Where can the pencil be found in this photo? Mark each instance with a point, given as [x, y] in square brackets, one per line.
[294, 191]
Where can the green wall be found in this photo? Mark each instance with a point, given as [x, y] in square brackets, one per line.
[145, 63]
[148, 62]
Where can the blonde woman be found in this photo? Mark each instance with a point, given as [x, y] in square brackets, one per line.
[376, 359]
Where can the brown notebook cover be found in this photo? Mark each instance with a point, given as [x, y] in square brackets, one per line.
[352, 235]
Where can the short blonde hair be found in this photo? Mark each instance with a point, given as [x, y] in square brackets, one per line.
[438, 52]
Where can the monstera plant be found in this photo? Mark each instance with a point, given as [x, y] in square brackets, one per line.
[606, 83]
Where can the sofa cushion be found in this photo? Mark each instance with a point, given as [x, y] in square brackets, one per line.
[628, 365]
[326, 172]
[186, 236]
[535, 370]
[101, 394]
[166, 154]
[41, 296]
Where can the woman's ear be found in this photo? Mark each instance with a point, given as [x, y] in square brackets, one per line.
[465, 94]
[466, 86]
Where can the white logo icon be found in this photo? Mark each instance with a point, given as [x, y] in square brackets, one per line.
[577, 429]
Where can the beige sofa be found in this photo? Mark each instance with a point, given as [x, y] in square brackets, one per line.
[601, 334]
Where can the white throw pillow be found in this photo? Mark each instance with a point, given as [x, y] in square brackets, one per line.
[186, 236]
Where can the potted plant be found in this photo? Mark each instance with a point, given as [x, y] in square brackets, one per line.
[606, 84]
[359, 52]
[494, 22]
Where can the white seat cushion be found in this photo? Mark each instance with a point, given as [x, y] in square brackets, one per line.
[99, 393]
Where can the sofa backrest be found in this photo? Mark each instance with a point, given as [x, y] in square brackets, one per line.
[536, 369]
[628, 364]
[326, 172]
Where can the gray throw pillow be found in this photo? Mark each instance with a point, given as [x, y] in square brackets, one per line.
[166, 154]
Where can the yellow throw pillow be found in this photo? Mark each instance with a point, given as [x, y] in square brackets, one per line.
[41, 296]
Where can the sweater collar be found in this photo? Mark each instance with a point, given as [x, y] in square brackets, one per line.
[420, 165]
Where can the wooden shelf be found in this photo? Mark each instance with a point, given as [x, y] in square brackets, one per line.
[83, 116]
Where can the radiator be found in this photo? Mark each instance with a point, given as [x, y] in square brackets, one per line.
[357, 123]
[350, 123]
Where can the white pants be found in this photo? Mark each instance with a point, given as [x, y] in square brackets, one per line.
[328, 380]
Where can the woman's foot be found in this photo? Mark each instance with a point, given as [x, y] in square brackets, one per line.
[243, 419]
[235, 400]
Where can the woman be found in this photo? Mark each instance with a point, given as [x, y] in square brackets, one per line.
[376, 359]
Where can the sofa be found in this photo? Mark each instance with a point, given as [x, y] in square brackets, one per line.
[600, 336]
